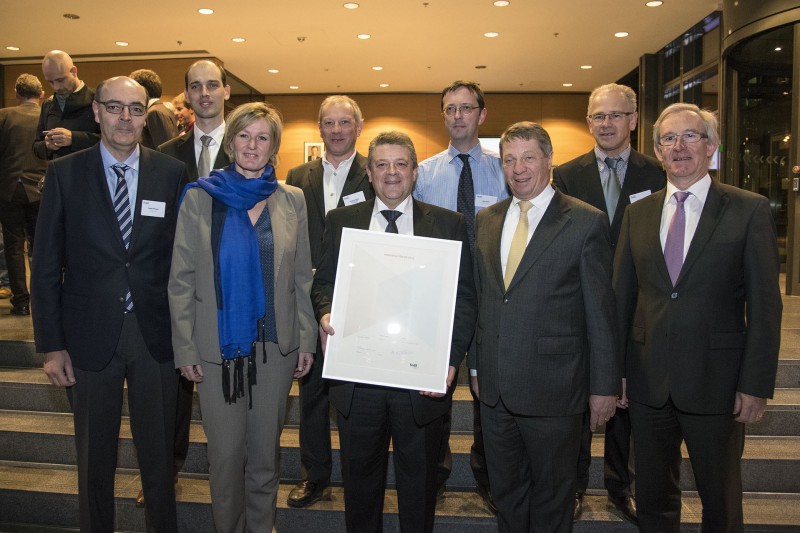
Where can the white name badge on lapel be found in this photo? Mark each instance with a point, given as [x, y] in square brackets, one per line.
[484, 200]
[151, 208]
[639, 195]
[355, 198]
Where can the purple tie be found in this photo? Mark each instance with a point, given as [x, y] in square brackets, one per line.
[673, 248]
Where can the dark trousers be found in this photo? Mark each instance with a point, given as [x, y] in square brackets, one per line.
[315, 425]
[18, 218]
[618, 469]
[378, 414]
[183, 421]
[715, 444]
[532, 471]
[96, 400]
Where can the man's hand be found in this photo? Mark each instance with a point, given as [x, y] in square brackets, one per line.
[749, 408]
[602, 409]
[474, 382]
[58, 367]
[325, 329]
[304, 362]
[622, 402]
[451, 375]
[58, 138]
[192, 373]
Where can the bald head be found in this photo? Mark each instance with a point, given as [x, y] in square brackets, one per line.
[60, 73]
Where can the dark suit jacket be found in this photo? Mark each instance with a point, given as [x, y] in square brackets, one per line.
[550, 340]
[309, 178]
[78, 117]
[580, 178]
[429, 221]
[160, 126]
[717, 331]
[78, 235]
[182, 149]
[17, 160]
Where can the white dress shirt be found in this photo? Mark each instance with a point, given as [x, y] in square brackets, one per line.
[535, 214]
[216, 135]
[693, 205]
[333, 179]
[405, 222]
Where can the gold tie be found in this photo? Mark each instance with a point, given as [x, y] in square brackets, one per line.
[518, 243]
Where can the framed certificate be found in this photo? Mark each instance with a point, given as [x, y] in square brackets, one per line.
[392, 311]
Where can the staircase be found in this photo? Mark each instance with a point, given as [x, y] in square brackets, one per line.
[38, 478]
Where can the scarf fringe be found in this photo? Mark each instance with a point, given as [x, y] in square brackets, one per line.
[238, 377]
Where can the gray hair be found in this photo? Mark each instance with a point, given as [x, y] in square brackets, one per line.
[626, 91]
[709, 119]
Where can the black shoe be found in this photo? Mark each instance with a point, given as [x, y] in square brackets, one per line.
[305, 493]
[486, 494]
[624, 507]
[21, 310]
[578, 511]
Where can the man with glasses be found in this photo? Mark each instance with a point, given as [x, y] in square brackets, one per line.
[696, 283]
[610, 177]
[338, 179]
[465, 178]
[66, 122]
[99, 302]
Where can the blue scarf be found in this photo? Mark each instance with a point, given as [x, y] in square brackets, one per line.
[239, 283]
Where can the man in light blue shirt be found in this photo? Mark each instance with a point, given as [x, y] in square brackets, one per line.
[464, 178]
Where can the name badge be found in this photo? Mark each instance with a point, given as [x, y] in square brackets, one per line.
[355, 198]
[639, 195]
[484, 200]
[151, 208]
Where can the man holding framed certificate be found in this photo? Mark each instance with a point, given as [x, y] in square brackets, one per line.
[369, 415]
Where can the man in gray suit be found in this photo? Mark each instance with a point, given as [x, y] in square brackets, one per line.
[545, 343]
[21, 175]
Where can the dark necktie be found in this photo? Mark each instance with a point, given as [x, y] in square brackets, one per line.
[673, 247]
[391, 215]
[122, 208]
[465, 203]
[611, 189]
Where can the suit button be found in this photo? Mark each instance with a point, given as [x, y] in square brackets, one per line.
[505, 300]
[674, 295]
[127, 265]
[122, 299]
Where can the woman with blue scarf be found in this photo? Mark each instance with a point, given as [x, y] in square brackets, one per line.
[242, 321]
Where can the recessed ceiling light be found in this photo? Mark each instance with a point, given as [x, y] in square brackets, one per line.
[491, 34]
[501, 3]
[621, 34]
[71, 16]
[238, 39]
[294, 87]
[121, 43]
[377, 68]
[586, 67]
[778, 48]
[384, 85]
[12, 48]
[567, 84]
[205, 11]
[654, 3]
[273, 71]
[364, 36]
[350, 5]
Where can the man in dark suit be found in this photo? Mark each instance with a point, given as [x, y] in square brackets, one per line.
[66, 122]
[21, 174]
[338, 179]
[370, 415]
[99, 300]
[696, 282]
[545, 343]
[611, 118]
[161, 124]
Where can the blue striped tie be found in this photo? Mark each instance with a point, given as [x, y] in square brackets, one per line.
[122, 208]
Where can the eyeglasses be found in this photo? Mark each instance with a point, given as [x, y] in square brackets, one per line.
[614, 116]
[116, 108]
[690, 137]
[465, 109]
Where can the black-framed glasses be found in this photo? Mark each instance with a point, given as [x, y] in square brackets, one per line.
[464, 109]
[614, 116]
[116, 108]
[690, 137]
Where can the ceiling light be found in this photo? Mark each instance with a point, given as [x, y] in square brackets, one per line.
[364, 36]
[778, 48]
[654, 3]
[377, 68]
[567, 84]
[121, 43]
[491, 34]
[205, 11]
[350, 5]
[384, 85]
[238, 39]
[586, 67]
[294, 87]
[273, 71]
[501, 3]
[12, 48]
[621, 34]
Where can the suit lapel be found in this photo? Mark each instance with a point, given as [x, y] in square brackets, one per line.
[652, 233]
[98, 188]
[146, 191]
[355, 178]
[185, 151]
[424, 224]
[709, 218]
[278, 216]
[594, 187]
[494, 229]
[317, 190]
